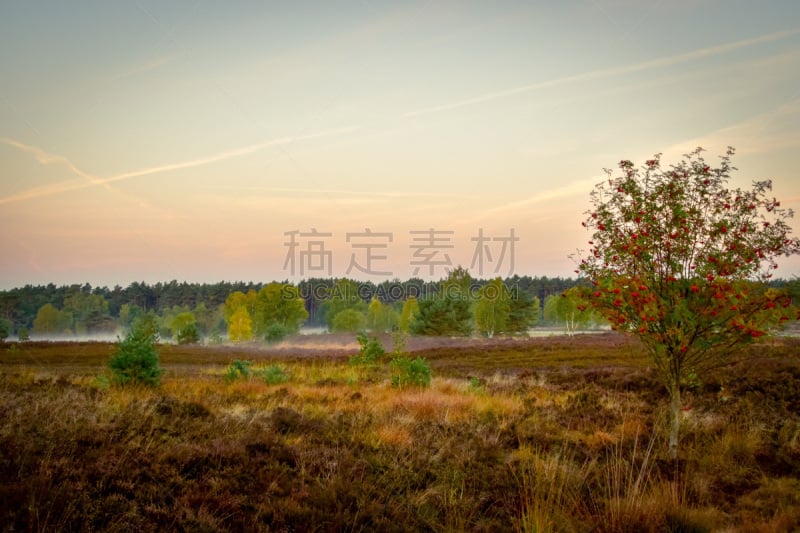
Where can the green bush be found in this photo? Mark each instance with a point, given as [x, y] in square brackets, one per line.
[5, 329]
[238, 369]
[188, 335]
[136, 358]
[371, 351]
[273, 375]
[275, 333]
[348, 320]
[410, 372]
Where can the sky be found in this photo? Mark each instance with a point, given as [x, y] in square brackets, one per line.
[205, 141]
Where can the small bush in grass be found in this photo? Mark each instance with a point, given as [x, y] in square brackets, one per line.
[371, 351]
[275, 333]
[100, 382]
[239, 369]
[410, 372]
[136, 358]
[273, 375]
[188, 335]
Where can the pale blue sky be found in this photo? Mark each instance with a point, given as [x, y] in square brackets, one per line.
[154, 141]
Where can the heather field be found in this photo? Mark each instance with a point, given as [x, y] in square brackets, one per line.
[543, 434]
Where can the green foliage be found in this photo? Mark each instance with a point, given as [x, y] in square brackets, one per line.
[410, 310]
[476, 385]
[184, 328]
[370, 353]
[679, 260]
[407, 372]
[100, 382]
[23, 334]
[457, 285]
[273, 375]
[238, 369]
[492, 308]
[443, 316]
[52, 321]
[209, 318]
[237, 300]
[147, 323]
[242, 369]
[523, 312]
[571, 309]
[344, 295]
[348, 321]
[240, 325]
[381, 317]
[180, 320]
[89, 312]
[450, 311]
[275, 333]
[188, 334]
[128, 313]
[5, 329]
[399, 338]
[278, 303]
[136, 358]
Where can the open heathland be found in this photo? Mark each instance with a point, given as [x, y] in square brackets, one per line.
[544, 434]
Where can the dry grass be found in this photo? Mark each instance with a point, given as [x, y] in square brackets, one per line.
[532, 443]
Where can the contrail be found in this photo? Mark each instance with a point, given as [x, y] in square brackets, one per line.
[49, 159]
[546, 196]
[609, 72]
[71, 185]
[342, 192]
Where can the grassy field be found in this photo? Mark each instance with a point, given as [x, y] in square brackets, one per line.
[546, 434]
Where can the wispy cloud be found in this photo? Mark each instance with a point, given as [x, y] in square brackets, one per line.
[610, 72]
[71, 185]
[768, 132]
[336, 192]
[47, 159]
[552, 196]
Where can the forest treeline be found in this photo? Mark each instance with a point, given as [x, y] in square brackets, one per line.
[100, 309]
[208, 310]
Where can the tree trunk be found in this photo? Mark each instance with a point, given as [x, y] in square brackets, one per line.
[675, 419]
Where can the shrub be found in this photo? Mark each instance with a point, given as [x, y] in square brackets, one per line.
[275, 333]
[188, 335]
[238, 369]
[410, 372]
[136, 358]
[371, 351]
[348, 320]
[400, 339]
[5, 329]
[273, 375]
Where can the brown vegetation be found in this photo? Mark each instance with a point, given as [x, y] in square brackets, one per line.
[531, 435]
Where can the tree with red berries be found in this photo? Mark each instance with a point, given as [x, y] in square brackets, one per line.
[681, 261]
